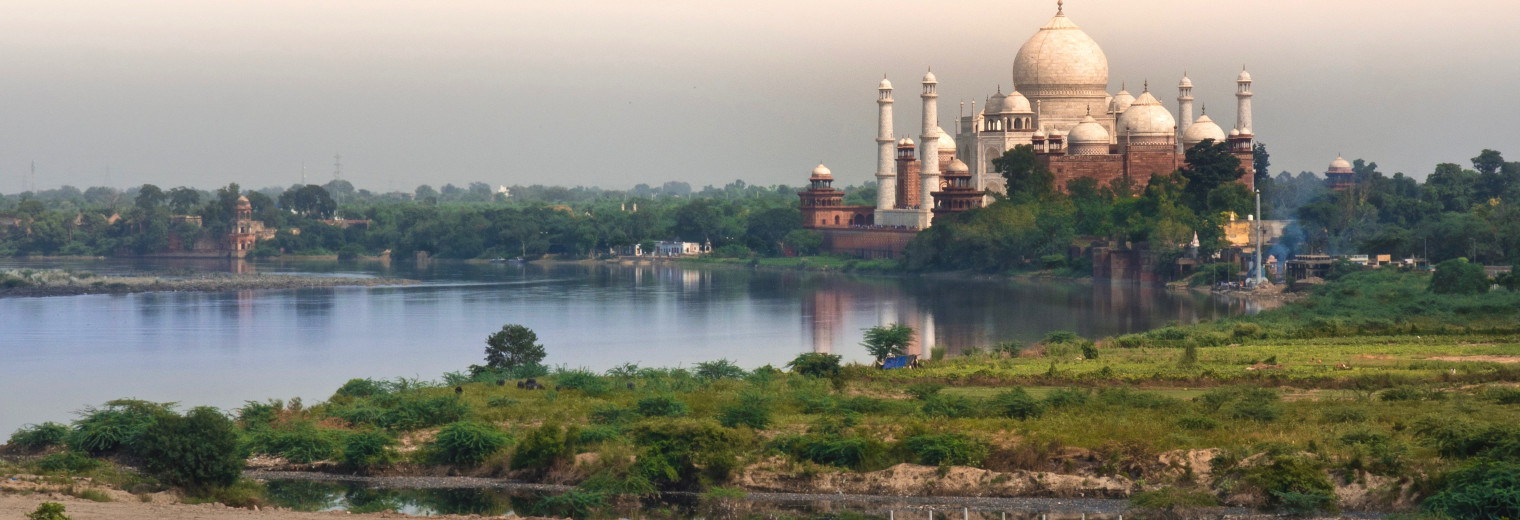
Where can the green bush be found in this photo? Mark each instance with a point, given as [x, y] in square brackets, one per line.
[367, 449]
[661, 406]
[1017, 404]
[752, 409]
[543, 447]
[1067, 397]
[1197, 422]
[1458, 276]
[1126, 397]
[924, 390]
[67, 462]
[1294, 484]
[48, 511]
[951, 406]
[848, 451]
[583, 380]
[362, 388]
[1243, 402]
[681, 453]
[197, 451]
[612, 415]
[814, 364]
[1404, 393]
[412, 410]
[35, 437]
[720, 369]
[254, 413]
[1173, 500]
[1483, 489]
[467, 443]
[948, 449]
[301, 442]
[115, 428]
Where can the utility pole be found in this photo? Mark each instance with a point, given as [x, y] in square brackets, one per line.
[1260, 230]
[303, 173]
[337, 167]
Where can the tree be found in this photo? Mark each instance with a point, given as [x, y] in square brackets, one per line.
[183, 200]
[1210, 165]
[196, 451]
[310, 201]
[512, 347]
[149, 197]
[884, 341]
[803, 241]
[1026, 179]
[1458, 276]
[1261, 163]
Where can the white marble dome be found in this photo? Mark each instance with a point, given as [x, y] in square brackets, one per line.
[1203, 128]
[929, 77]
[994, 104]
[945, 141]
[1016, 103]
[884, 85]
[1088, 132]
[1185, 83]
[956, 166]
[1121, 101]
[1244, 76]
[822, 172]
[1146, 118]
[1060, 55]
[1340, 164]
[905, 142]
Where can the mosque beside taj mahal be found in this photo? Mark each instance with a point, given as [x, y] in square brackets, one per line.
[1059, 105]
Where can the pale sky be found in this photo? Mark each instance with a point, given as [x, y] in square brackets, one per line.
[619, 92]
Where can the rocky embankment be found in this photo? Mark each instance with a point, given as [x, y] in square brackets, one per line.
[21, 283]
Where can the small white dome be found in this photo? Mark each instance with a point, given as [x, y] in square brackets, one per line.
[1244, 76]
[1340, 163]
[1146, 118]
[1185, 83]
[956, 166]
[1040, 133]
[884, 85]
[1234, 132]
[929, 77]
[1121, 102]
[1203, 128]
[945, 141]
[822, 172]
[994, 104]
[1016, 103]
[1088, 132]
[905, 142]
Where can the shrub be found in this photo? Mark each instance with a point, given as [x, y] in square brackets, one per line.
[1089, 350]
[1173, 500]
[368, 448]
[852, 451]
[1499, 395]
[815, 364]
[413, 410]
[720, 369]
[1294, 484]
[951, 406]
[949, 449]
[254, 413]
[1344, 415]
[362, 388]
[1243, 402]
[1197, 422]
[301, 442]
[752, 409]
[612, 414]
[1017, 404]
[543, 447]
[1484, 489]
[48, 511]
[116, 427]
[1064, 397]
[685, 453]
[583, 380]
[67, 462]
[922, 391]
[1125, 397]
[662, 406]
[1061, 336]
[1404, 393]
[468, 443]
[35, 437]
[1458, 276]
[196, 451]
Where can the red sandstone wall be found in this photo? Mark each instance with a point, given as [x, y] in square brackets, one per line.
[866, 243]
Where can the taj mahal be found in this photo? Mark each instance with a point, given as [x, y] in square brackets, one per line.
[1059, 104]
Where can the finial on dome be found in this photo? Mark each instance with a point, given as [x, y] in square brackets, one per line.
[1147, 85]
[1205, 109]
[1060, 6]
[1089, 110]
[1123, 85]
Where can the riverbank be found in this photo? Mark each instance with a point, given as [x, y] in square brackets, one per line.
[50, 282]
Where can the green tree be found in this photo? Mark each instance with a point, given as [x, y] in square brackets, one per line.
[1209, 166]
[513, 346]
[184, 200]
[149, 197]
[1458, 276]
[1026, 179]
[803, 241]
[310, 201]
[884, 341]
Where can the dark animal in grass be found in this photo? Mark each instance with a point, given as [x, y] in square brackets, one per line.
[520, 385]
[501, 382]
[630, 385]
[458, 390]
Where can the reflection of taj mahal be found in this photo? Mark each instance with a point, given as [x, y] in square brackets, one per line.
[1060, 105]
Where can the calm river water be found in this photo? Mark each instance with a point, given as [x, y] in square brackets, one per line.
[59, 354]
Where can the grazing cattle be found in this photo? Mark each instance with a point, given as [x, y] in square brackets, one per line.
[501, 382]
[458, 390]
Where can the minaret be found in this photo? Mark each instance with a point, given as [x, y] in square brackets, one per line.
[1184, 103]
[886, 149]
[928, 151]
[1243, 94]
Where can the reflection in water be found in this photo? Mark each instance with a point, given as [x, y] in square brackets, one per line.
[222, 349]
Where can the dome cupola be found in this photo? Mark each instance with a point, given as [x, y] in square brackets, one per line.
[1146, 118]
[1203, 128]
[1060, 57]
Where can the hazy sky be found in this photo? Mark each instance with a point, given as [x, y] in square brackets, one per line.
[614, 93]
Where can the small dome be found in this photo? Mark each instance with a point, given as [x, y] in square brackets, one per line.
[1340, 163]
[1185, 83]
[1088, 132]
[929, 77]
[1121, 101]
[945, 141]
[1039, 133]
[822, 172]
[1016, 103]
[1244, 76]
[884, 85]
[956, 166]
[1146, 117]
[1234, 132]
[905, 142]
[994, 104]
[1203, 128]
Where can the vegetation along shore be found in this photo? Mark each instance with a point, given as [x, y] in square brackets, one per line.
[1382, 391]
[53, 282]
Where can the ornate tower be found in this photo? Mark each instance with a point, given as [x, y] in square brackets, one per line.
[1243, 94]
[886, 175]
[1185, 103]
[929, 142]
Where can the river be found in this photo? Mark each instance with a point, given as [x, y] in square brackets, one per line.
[60, 354]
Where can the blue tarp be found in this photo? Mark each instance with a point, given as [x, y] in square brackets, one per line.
[899, 362]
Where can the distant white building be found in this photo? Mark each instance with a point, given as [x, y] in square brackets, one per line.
[505, 192]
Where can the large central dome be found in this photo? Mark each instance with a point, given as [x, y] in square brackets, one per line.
[1060, 58]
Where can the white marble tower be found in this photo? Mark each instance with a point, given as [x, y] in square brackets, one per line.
[1243, 97]
[886, 164]
[929, 144]
[1184, 104]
